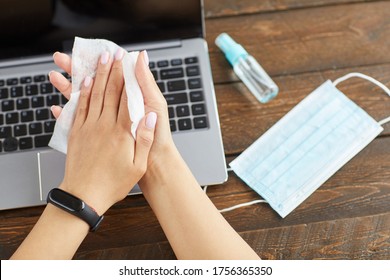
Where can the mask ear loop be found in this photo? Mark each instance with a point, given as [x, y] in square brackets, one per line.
[368, 78]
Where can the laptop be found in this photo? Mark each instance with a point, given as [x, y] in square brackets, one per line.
[31, 32]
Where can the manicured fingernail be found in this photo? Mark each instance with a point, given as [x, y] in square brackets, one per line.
[104, 58]
[119, 54]
[87, 81]
[54, 54]
[151, 120]
[146, 58]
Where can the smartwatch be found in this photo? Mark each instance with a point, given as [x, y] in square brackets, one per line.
[74, 206]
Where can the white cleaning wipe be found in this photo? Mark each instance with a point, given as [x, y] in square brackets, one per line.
[85, 57]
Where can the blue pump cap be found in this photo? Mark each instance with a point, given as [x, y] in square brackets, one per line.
[232, 50]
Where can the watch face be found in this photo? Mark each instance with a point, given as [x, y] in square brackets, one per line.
[66, 200]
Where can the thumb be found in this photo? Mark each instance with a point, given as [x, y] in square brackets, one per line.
[145, 137]
[56, 111]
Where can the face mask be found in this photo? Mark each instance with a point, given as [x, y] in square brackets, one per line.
[307, 146]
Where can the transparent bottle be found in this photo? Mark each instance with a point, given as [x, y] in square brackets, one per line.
[248, 69]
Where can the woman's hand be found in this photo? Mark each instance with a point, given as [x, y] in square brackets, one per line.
[163, 146]
[103, 161]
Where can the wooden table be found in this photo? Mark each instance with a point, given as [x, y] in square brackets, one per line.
[301, 43]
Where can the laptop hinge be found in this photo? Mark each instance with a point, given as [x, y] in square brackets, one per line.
[153, 45]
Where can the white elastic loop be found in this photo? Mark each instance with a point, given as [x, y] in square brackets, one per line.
[368, 78]
[238, 205]
[362, 76]
[386, 120]
[242, 205]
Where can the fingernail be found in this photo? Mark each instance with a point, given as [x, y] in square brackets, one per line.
[119, 54]
[151, 120]
[87, 81]
[50, 73]
[54, 54]
[104, 58]
[146, 58]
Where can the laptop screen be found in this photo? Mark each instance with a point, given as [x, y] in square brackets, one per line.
[40, 27]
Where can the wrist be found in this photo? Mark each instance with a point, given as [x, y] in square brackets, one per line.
[75, 206]
[93, 199]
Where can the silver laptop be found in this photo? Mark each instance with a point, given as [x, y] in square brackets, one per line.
[172, 34]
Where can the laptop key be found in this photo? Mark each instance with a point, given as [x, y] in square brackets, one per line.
[3, 93]
[25, 143]
[22, 103]
[35, 128]
[1, 119]
[46, 88]
[12, 82]
[152, 65]
[196, 96]
[155, 75]
[1, 146]
[52, 100]
[176, 62]
[16, 91]
[176, 85]
[172, 73]
[31, 90]
[10, 144]
[37, 102]
[182, 111]
[5, 131]
[63, 100]
[192, 71]
[26, 80]
[171, 112]
[7, 105]
[161, 86]
[198, 109]
[200, 122]
[178, 98]
[42, 141]
[2, 83]
[163, 63]
[42, 114]
[27, 116]
[39, 78]
[191, 60]
[194, 83]
[172, 125]
[49, 126]
[185, 124]
[20, 130]
[11, 118]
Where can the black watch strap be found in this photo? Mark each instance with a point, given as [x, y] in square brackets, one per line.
[74, 206]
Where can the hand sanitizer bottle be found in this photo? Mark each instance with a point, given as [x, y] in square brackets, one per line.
[247, 69]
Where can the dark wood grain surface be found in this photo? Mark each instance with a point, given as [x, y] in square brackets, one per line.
[301, 43]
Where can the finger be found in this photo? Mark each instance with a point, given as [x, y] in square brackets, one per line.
[56, 111]
[83, 105]
[114, 88]
[99, 86]
[61, 83]
[63, 61]
[151, 92]
[123, 112]
[145, 137]
[153, 98]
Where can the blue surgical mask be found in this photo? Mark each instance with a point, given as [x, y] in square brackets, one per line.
[307, 146]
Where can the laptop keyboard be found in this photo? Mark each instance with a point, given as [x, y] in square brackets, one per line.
[180, 82]
[26, 121]
[25, 118]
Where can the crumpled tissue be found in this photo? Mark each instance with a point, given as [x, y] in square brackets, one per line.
[85, 57]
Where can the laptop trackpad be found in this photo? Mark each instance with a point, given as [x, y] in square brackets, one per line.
[51, 168]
